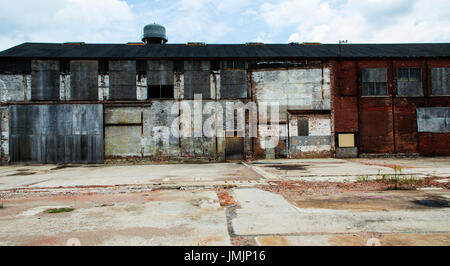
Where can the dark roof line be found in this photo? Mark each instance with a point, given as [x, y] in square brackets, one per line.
[209, 51]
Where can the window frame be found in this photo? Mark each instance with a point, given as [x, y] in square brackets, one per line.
[374, 84]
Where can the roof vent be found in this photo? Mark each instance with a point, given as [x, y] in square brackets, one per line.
[195, 44]
[155, 34]
[74, 43]
[254, 43]
[135, 43]
[311, 43]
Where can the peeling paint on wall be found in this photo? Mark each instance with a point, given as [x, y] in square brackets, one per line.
[103, 87]
[13, 88]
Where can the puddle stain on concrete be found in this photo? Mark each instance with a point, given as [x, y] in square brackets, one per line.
[285, 167]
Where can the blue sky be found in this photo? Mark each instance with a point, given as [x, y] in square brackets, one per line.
[226, 21]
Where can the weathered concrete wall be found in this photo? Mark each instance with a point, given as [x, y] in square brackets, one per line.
[296, 89]
[293, 89]
[4, 128]
[317, 143]
[57, 133]
[14, 88]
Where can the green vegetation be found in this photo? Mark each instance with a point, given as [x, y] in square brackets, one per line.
[59, 210]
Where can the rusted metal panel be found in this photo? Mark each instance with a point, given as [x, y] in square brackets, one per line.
[234, 148]
[45, 80]
[56, 133]
[83, 80]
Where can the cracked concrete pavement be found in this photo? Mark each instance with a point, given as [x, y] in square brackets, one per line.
[184, 204]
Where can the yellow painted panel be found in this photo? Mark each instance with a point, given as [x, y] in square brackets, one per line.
[346, 140]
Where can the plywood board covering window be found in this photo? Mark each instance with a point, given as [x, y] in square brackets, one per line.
[346, 140]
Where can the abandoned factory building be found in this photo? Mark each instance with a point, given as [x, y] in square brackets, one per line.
[94, 103]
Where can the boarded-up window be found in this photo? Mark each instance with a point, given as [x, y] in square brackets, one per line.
[233, 84]
[197, 79]
[83, 80]
[346, 140]
[122, 80]
[433, 119]
[409, 82]
[374, 81]
[303, 126]
[440, 81]
[45, 80]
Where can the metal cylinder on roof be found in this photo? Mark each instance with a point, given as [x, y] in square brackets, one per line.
[154, 33]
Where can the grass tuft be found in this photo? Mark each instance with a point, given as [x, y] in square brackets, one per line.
[59, 210]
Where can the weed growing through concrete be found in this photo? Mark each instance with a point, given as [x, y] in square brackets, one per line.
[59, 210]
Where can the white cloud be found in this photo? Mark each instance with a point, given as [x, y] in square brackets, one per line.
[361, 21]
[225, 21]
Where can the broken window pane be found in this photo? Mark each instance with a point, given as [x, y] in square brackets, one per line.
[381, 88]
[409, 82]
[374, 75]
[402, 74]
[160, 91]
[415, 74]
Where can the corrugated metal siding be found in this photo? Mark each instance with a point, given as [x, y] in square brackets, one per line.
[56, 133]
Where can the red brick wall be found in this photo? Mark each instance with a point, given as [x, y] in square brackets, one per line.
[387, 124]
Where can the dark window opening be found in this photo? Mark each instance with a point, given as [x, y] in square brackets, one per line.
[160, 92]
[178, 66]
[303, 126]
[64, 66]
[141, 67]
[103, 67]
[233, 64]
[15, 67]
[215, 65]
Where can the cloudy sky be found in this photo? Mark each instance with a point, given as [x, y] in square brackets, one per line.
[225, 21]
